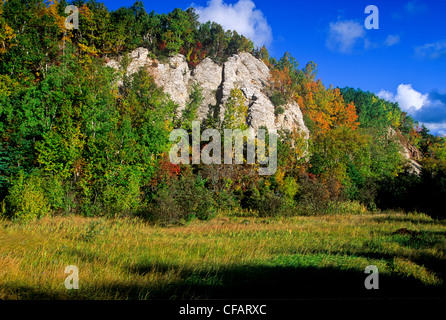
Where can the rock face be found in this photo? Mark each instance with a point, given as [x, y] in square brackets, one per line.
[241, 71]
[409, 152]
[209, 77]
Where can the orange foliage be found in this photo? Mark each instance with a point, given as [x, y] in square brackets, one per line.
[281, 80]
[326, 107]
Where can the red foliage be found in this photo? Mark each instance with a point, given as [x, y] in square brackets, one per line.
[162, 45]
[195, 54]
[166, 171]
[168, 168]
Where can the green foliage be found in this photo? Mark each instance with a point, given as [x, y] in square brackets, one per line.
[277, 99]
[122, 196]
[190, 112]
[180, 200]
[278, 111]
[290, 188]
[72, 141]
[412, 192]
[377, 113]
[131, 28]
[264, 201]
[76, 127]
[27, 199]
[373, 111]
[236, 111]
[4, 173]
[178, 29]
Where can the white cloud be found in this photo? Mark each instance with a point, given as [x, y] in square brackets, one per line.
[429, 109]
[432, 50]
[241, 16]
[343, 36]
[392, 40]
[408, 98]
[436, 128]
[386, 95]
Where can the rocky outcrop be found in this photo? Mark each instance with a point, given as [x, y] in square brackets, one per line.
[174, 78]
[241, 71]
[209, 77]
[410, 153]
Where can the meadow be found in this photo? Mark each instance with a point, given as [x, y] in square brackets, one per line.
[227, 257]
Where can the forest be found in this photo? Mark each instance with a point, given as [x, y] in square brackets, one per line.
[74, 143]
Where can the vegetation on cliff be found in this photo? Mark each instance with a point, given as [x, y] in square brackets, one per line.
[72, 141]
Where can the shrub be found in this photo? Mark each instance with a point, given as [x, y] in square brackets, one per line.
[226, 200]
[400, 192]
[279, 110]
[272, 204]
[119, 200]
[289, 187]
[277, 99]
[265, 201]
[60, 195]
[368, 193]
[412, 192]
[181, 199]
[164, 208]
[27, 199]
[318, 196]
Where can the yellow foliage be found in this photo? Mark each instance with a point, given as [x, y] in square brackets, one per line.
[51, 10]
[7, 85]
[236, 111]
[87, 52]
[6, 35]
[280, 174]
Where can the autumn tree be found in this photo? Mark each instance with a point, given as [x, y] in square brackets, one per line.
[326, 108]
[6, 33]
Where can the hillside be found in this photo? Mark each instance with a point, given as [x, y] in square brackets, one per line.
[86, 116]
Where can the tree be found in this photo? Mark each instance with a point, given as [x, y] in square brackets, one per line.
[236, 111]
[38, 32]
[262, 54]
[132, 27]
[190, 112]
[238, 43]
[326, 108]
[7, 34]
[178, 29]
[217, 42]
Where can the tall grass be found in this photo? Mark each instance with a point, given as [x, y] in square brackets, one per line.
[126, 258]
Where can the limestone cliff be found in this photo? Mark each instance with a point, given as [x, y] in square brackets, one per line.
[243, 71]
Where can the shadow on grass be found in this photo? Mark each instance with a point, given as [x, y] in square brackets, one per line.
[281, 282]
[244, 282]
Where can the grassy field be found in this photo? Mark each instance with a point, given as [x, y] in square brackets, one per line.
[226, 257]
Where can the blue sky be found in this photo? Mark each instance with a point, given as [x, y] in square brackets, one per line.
[404, 60]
